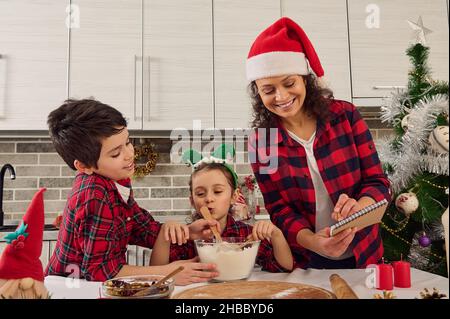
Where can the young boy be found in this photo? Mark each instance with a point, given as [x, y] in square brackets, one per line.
[101, 216]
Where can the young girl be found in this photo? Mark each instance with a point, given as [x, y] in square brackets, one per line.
[214, 185]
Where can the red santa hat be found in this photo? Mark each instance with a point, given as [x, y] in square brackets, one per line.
[283, 48]
[20, 258]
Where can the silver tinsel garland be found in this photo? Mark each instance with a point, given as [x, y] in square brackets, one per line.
[420, 257]
[412, 157]
[393, 106]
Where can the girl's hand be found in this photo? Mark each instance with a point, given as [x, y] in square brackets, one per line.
[175, 232]
[201, 228]
[345, 207]
[264, 229]
[333, 246]
[193, 271]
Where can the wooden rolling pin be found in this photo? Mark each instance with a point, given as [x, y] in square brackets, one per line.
[341, 289]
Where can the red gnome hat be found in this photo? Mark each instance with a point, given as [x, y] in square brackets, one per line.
[283, 48]
[20, 259]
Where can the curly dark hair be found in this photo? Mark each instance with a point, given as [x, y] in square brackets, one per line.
[316, 103]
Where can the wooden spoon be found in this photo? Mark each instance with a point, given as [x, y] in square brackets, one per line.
[207, 215]
[158, 284]
[245, 243]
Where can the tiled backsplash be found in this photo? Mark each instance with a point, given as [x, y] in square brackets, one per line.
[164, 192]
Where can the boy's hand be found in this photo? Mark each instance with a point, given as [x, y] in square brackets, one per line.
[201, 229]
[193, 271]
[264, 229]
[175, 232]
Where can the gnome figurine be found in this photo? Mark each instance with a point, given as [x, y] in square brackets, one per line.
[21, 271]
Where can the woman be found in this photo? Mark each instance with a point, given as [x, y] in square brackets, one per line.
[327, 164]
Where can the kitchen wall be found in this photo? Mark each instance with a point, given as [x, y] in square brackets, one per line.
[164, 192]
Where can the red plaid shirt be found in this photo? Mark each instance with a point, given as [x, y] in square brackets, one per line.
[96, 228]
[348, 163]
[265, 257]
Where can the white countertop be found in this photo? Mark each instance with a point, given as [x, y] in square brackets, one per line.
[61, 287]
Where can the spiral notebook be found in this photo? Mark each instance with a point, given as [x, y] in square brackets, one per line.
[367, 216]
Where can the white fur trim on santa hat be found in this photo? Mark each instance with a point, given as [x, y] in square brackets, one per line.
[275, 64]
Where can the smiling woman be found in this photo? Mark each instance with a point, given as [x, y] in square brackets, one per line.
[328, 167]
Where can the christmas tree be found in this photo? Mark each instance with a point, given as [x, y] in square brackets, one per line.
[416, 161]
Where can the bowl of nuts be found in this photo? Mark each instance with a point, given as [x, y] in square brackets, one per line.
[138, 287]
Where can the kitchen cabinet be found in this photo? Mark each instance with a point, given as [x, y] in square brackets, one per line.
[106, 55]
[151, 59]
[379, 36]
[325, 23]
[33, 62]
[236, 25]
[177, 64]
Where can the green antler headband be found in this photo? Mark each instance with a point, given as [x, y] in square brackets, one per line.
[222, 155]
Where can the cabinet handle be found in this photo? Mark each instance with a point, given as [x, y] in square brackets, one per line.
[388, 87]
[149, 88]
[134, 88]
[2, 85]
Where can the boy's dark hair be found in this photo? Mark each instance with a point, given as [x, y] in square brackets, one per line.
[78, 127]
[212, 167]
[317, 101]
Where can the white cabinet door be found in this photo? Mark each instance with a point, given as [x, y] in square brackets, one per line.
[380, 35]
[178, 74]
[325, 23]
[33, 62]
[236, 25]
[106, 55]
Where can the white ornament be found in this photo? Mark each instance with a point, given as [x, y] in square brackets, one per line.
[439, 139]
[405, 122]
[407, 203]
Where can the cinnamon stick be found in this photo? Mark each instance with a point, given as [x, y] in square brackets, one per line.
[341, 289]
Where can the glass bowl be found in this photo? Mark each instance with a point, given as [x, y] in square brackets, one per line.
[234, 257]
[137, 287]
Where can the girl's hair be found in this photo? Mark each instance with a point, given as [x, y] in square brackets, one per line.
[210, 167]
[317, 101]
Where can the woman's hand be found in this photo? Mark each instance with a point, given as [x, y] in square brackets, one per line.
[333, 246]
[201, 229]
[175, 232]
[345, 206]
[264, 229]
[193, 271]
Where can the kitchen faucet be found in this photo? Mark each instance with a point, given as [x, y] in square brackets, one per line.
[2, 177]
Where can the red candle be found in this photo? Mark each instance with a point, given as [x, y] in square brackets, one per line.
[402, 274]
[384, 277]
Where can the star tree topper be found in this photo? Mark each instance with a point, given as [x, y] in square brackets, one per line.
[420, 32]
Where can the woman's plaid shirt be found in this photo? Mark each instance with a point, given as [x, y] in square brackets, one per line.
[348, 163]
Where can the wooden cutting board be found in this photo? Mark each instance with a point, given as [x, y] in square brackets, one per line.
[255, 290]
